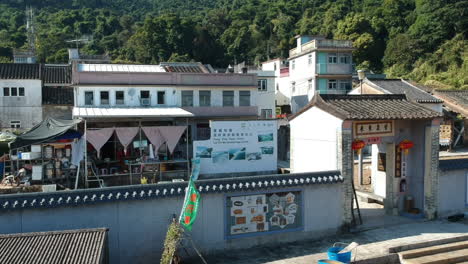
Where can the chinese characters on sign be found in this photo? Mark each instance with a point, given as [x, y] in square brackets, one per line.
[366, 129]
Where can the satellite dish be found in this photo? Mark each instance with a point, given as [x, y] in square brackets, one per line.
[131, 92]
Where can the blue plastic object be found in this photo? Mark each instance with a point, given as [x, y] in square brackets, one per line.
[334, 255]
[327, 261]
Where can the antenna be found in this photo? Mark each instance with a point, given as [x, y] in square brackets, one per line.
[30, 28]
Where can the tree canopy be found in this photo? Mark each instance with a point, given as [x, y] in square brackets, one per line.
[419, 39]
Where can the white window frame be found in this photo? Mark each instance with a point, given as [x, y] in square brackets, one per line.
[332, 58]
[262, 85]
[233, 97]
[16, 124]
[244, 93]
[332, 84]
[343, 83]
[117, 100]
[108, 98]
[205, 93]
[309, 59]
[24, 91]
[13, 89]
[6, 89]
[186, 93]
[293, 65]
[84, 97]
[266, 113]
[293, 87]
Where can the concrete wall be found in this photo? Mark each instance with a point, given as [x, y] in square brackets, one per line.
[314, 141]
[452, 192]
[172, 94]
[137, 228]
[26, 109]
[302, 72]
[266, 99]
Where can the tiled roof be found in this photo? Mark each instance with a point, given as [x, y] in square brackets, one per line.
[164, 190]
[57, 95]
[453, 164]
[19, 71]
[397, 86]
[56, 74]
[456, 100]
[370, 107]
[184, 67]
[86, 246]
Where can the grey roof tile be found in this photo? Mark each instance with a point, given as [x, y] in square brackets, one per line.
[397, 86]
[453, 164]
[370, 107]
[20, 71]
[456, 100]
[82, 246]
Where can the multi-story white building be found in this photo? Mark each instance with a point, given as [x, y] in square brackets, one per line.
[170, 92]
[20, 96]
[281, 83]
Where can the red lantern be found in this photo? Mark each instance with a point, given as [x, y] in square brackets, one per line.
[406, 145]
[358, 145]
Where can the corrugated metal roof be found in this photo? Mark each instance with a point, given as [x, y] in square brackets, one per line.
[86, 246]
[98, 112]
[23, 71]
[118, 68]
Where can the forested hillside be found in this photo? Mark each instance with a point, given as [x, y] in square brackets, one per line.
[425, 40]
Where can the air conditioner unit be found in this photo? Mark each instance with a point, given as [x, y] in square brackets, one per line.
[145, 101]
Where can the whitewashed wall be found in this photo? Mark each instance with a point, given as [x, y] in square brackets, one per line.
[314, 141]
[26, 109]
[172, 95]
[266, 99]
[302, 72]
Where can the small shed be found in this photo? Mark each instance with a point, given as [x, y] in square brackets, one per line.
[82, 246]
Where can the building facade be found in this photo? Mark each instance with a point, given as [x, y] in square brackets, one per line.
[319, 66]
[281, 84]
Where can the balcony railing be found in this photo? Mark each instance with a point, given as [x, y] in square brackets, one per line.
[334, 68]
[322, 43]
[332, 91]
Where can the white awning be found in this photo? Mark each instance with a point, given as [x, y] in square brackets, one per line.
[98, 112]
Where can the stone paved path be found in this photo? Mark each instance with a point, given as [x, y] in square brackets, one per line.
[373, 243]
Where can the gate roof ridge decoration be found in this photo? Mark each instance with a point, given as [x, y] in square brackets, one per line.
[162, 190]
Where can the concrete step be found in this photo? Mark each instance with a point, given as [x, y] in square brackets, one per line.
[451, 257]
[420, 252]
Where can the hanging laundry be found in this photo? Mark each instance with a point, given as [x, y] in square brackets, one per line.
[126, 135]
[99, 137]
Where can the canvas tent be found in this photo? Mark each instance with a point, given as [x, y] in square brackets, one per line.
[48, 129]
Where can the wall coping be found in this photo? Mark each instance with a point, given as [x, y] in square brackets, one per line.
[163, 190]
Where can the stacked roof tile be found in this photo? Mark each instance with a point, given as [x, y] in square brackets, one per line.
[56, 74]
[370, 107]
[453, 164]
[456, 100]
[397, 86]
[85, 246]
[15, 71]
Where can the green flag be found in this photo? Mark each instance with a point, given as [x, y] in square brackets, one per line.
[190, 208]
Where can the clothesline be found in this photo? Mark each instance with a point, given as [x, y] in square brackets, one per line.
[157, 135]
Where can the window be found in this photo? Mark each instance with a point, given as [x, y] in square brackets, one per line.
[244, 98]
[205, 98]
[262, 84]
[144, 94]
[309, 84]
[161, 95]
[345, 85]
[14, 91]
[266, 113]
[187, 98]
[119, 97]
[21, 91]
[277, 87]
[6, 91]
[228, 98]
[274, 66]
[293, 65]
[331, 84]
[293, 87]
[15, 124]
[345, 59]
[332, 58]
[89, 98]
[104, 98]
[310, 59]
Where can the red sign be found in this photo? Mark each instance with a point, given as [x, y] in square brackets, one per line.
[373, 140]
